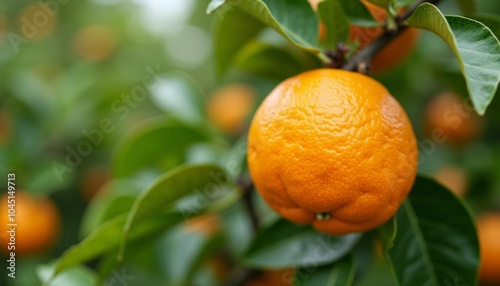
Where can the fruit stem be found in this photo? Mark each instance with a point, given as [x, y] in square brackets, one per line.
[365, 55]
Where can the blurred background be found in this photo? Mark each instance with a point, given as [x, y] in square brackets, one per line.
[79, 80]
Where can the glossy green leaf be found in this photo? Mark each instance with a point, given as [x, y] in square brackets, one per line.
[232, 29]
[387, 233]
[108, 236]
[156, 146]
[116, 198]
[476, 47]
[492, 21]
[207, 182]
[436, 241]
[358, 14]
[295, 20]
[268, 61]
[336, 22]
[285, 244]
[75, 276]
[341, 273]
[467, 6]
[214, 5]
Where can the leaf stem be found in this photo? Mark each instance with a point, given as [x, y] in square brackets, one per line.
[363, 57]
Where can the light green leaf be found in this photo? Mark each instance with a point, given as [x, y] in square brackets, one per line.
[284, 244]
[207, 182]
[335, 19]
[381, 3]
[156, 146]
[341, 273]
[214, 5]
[295, 20]
[233, 29]
[436, 242]
[476, 47]
[76, 276]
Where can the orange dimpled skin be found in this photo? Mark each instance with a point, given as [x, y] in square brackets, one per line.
[38, 224]
[489, 236]
[332, 148]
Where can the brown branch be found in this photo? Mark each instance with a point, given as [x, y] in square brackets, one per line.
[363, 57]
[247, 187]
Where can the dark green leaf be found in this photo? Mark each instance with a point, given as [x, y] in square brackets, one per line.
[335, 19]
[341, 273]
[156, 146]
[285, 244]
[233, 28]
[207, 182]
[476, 47]
[293, 19]
[490, 20]
[381, 3]
[268, 61]
[387, 233]
[358, 14]
[436, 243]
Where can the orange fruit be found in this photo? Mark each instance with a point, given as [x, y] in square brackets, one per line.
[93, 181]
[394, 53]
[334, 149]
[37, 21]
[229, 106]
[452, 117]
[95, 43]
[454, 178]
[489, 233]
[38, 224]
[206, 225]
[283, 277]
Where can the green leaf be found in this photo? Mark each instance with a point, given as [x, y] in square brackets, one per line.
[76, 276]
[387, 233]
[232, 30]
[358, 14]
[381, 3]
[436, 243]
[295, 20]
[467, 6]
[341, 273]
[476, 47]
[490, 20]
[285, 244]
[108, 236]
[156, 145]
[335, 19]
[268, 61]
[207, 182]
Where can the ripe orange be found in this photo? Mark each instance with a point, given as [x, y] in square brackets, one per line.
[451, 115]
[332, 148]
[489, 234]
[454, 178]
[206, 225]
[282, 277]
[38, 224]
[95, 43]
[229, 106]
[394, 53]
[93, 181]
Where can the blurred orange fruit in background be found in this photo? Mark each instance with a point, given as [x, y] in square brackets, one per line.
[95, 43]
[38, 224]
[37, 21]
[489, 241]
[454, 178]
[229, 106]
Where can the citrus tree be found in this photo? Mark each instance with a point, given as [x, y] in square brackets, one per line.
[312, 163]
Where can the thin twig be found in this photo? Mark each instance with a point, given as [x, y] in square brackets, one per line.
[366, 54]
[246, 185]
